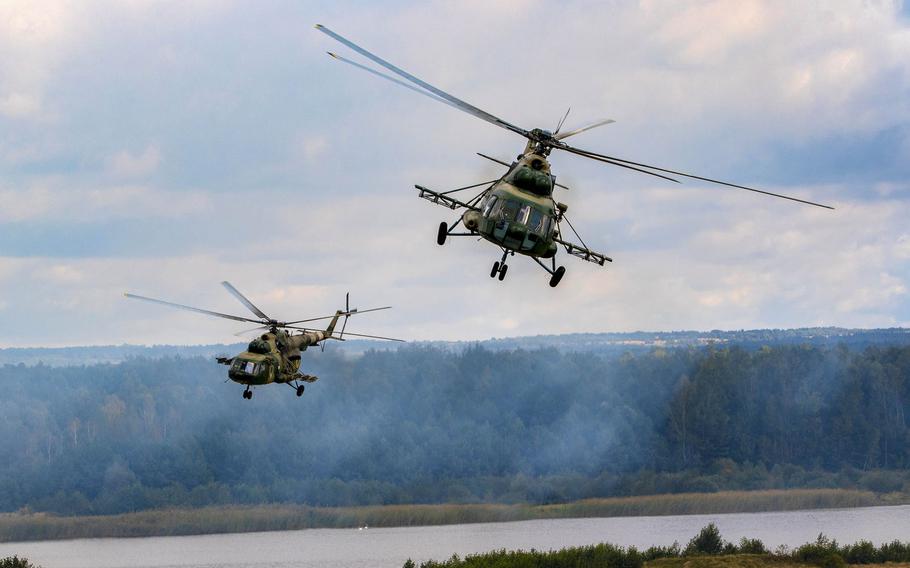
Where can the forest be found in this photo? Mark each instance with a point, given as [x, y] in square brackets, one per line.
[425, 424]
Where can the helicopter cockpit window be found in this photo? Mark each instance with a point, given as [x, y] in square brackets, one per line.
[505, 210]
[491, 201]
[538, 222]
[523, 214]
[247, 367]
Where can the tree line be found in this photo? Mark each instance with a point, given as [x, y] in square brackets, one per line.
[427, 425]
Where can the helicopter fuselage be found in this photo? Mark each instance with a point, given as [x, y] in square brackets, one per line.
[273, 357]
[517, 212]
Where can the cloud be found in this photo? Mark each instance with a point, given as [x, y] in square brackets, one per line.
[50, 202]
[124, 164]
[33, 36]
[163, 149]
[312, 148]
[19, 105]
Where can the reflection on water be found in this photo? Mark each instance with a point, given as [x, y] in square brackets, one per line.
[391, 547]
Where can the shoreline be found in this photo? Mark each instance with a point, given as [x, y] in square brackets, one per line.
[29, 527]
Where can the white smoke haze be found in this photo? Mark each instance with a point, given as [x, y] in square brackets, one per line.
[161, 150]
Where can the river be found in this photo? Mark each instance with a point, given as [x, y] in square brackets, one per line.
[390, 547]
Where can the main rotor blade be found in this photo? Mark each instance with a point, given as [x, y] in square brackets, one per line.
[289, 323]
[392, 79]
[356, 311]
[674, 172]
[572, 150]
[492, 159]
[562, 121]
[374, 337]
[246, 331]
[244, 300]
[349, 313]
[460, 104]
[190, 308]
[346, 333]
[583, 128]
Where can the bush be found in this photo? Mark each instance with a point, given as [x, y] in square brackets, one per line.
[882, 481]
[832, 560]
[603, 555]
[895, 552]
[655, 552]
[822, 552]
[15, 562]
[863, 552]
[752, 546]
[708, 541]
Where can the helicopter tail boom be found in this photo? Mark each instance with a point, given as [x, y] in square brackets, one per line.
[331, 328]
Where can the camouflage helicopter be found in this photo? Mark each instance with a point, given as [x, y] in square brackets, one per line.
[517, 211]
[274, 356]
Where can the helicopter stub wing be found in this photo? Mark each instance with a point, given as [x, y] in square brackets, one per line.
[584, 253]
[440, 198]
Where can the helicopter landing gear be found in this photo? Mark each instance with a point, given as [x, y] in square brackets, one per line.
[298, 388]
[248, 394]
[500, 267]
[557, 276]
[442, 234]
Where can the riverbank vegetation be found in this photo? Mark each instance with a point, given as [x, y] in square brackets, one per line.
[231, 519]
[16, 562]
[423, 425]
[707, 549]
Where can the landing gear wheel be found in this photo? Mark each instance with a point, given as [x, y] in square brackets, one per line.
[248, 394]
[442, 234]
[300, 390]
[495, 270]
[502, 271]
[557, 276]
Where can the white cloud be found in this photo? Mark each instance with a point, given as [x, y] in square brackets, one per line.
[49, 201]
[125, 164]
[33, 36]
[322, 159]
[19, 105]
[311, 148]
[63, 274]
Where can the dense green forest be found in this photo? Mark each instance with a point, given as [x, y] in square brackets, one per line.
[427, 425]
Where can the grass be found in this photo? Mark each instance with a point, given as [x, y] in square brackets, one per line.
[744, 561]
[726, 561]
[233, 519]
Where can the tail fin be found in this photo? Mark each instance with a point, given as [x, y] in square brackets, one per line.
[331, 328]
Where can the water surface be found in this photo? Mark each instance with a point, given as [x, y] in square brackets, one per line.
[390, 547]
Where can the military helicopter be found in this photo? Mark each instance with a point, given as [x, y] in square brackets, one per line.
[517, 211]
[274, 356]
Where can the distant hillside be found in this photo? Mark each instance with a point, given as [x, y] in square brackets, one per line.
[600, 343]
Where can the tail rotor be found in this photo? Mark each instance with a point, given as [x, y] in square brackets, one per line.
[347, 313]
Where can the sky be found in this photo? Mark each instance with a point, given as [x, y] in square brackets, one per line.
[160, 147]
